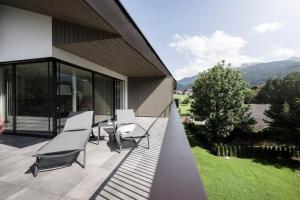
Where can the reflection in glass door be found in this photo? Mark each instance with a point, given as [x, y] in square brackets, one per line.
[33, 92]
[103, 93]
[6, 96]
[74, 92]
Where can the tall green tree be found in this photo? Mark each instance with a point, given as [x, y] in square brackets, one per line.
[284, 97]
[218, 98]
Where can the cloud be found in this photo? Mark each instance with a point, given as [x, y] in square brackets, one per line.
[278, 52]
[203, 51]
[268, 27]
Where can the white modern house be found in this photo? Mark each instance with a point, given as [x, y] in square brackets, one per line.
[62, 56]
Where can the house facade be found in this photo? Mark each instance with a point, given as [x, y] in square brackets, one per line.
[75, 55]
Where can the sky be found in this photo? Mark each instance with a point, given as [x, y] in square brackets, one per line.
[191, 36]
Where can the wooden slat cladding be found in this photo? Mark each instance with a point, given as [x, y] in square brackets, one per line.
[68, 33]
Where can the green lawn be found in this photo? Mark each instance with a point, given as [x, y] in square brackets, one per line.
[184, 108]
[245, 179]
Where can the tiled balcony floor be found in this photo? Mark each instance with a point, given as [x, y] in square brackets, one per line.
[108, 174]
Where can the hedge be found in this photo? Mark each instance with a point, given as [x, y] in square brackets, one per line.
[286, 152]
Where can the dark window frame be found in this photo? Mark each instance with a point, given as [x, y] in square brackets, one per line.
[54, 64]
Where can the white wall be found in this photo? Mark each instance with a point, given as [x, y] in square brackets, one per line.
[24, 34]
[71, 58]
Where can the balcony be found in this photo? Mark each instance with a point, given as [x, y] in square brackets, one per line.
[165, 171]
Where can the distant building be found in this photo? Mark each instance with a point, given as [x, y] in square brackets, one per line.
[188, 91]
[177, 92]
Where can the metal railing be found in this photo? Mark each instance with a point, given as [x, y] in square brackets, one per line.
[176, 174]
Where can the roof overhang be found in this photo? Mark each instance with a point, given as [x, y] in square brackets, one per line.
[125, 50]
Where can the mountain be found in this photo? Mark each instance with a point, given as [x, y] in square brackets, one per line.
[260, 73]
[185, 83]
[257, 73]
[188, 80]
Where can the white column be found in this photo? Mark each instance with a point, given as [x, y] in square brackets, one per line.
[74, 89]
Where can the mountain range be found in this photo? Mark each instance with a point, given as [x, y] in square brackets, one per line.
[256, 73]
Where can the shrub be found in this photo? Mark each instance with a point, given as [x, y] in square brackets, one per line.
[226, 150]
[234, 151]
[267, 152]
[222, 151]
[229, 151]
[284, 152]
[293, 152]
[279, 152]
[275, 151]
[239, 152]
[290, 154]
[218, 150]
[297, 153]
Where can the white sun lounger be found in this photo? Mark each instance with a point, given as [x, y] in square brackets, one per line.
[127, 128]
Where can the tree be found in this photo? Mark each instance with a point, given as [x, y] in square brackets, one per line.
[251, 94]
[284, 97]
[218, 97]
[269, 92]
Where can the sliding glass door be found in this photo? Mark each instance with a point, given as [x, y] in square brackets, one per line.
[33, 94]
[103, 92]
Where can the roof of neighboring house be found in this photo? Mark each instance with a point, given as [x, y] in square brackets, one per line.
[257, 112]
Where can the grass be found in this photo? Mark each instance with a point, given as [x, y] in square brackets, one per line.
[245, 178]
[184, 108]
[181, 97]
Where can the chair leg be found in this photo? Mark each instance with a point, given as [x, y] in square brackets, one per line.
[98, 134]
[120, 145]
[84, 157]
[36, 168]
[148, 141]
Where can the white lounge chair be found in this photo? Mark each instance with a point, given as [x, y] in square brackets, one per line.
[126, 127]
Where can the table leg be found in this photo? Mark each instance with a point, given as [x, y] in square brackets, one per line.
[99, 128]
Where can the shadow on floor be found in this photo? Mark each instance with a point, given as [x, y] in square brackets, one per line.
[20, 141]
[49, 164]
[133, 176]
